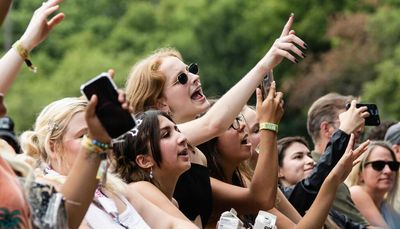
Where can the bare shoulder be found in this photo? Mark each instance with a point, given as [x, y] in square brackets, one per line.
[357, 192]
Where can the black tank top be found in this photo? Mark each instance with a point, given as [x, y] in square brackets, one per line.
[193, 193]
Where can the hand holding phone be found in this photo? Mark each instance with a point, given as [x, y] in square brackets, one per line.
[266, 84]
[112, 116]
[373, 118]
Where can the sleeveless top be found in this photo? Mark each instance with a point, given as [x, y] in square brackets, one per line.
[97, 218]
[193, 193]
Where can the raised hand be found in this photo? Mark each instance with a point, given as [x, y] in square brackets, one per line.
[271, 109]
[353, 118]
[348, 160]
[281, 47]
[39, 27]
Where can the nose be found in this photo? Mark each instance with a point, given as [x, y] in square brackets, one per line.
[386, 169]
[309, 160]
[242, 127]
[181, 138]
[194, 78]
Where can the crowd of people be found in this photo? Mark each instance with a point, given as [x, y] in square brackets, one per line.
[188, 160]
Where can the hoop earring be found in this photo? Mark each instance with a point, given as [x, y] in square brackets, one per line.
[151, 173]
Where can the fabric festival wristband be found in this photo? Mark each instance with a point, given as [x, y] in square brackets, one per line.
[269, 126]
[19, 47]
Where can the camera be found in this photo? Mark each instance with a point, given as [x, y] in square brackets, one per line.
[265, 220]
[229, 220]
[373, 118]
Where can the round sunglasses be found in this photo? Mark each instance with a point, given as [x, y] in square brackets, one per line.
[379, 165]
[183, 78]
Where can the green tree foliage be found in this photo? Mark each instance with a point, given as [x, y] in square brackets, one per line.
[350, 51]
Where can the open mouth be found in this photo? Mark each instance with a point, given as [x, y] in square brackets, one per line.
[197, 94]
[183, 153]
[244, 140]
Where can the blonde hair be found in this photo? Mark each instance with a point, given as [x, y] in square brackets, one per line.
[50, 127]
[354, 177]
[145, 82]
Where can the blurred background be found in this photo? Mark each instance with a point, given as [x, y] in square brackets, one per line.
[354, 48]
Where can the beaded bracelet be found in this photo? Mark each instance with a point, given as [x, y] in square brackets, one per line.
[23, 52]
[94, 146]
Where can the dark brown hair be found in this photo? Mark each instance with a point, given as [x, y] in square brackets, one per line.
[146, 141]
[284, 143]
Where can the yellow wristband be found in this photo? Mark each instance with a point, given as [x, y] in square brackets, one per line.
[23, 52]
[269, 126]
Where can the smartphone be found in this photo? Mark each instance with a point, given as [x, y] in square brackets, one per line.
[373, 118]
[266, 84]
[114, 119]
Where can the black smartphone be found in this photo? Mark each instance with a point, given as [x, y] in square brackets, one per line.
[266, 84]
[112, 116]
[373, 118]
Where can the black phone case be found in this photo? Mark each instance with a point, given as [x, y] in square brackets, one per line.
[115, 120]
[373, 118]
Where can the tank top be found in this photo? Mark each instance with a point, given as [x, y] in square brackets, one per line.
[193, 193]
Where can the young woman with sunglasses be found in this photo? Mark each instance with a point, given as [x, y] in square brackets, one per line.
[374, 184]
[163, 81]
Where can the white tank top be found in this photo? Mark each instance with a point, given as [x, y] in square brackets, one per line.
[97, 218]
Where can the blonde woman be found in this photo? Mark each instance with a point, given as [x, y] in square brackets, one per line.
[374, 184]
[55, 140]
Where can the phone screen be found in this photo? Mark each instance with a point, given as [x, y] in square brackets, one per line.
[373, 118]
[115, 120]
[266, 84]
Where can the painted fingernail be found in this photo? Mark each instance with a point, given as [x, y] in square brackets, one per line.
[304, 55]
[295, 60]
[291, 14]
[305, 45]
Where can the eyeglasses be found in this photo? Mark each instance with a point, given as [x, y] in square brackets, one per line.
[236, 123]
[183, 78]
[379, 165]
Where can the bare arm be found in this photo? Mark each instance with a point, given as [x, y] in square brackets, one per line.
[222, 114]
[81, 181]
[261, 192]
[366, 206]
[37, 31]
[155, 208]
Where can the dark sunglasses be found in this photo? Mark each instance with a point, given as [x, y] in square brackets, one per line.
[379, 165]
[183, 78]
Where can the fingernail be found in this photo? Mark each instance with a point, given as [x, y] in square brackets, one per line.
[305, 45]
[304, 55]
[291, 14]
[295, 60]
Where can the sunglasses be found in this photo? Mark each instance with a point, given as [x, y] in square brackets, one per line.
[183, 78]
[379, 165]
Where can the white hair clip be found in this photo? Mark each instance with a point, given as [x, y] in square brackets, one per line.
[133, 132]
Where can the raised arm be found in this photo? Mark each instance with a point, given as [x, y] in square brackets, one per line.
[223, 112]
[261, 193]
[38, 29]
[307, 189]
[81, 182]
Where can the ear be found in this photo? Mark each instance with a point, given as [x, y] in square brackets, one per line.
[396, 149]
[162, 105]
[280, 174]
[324, 129]
[144, 161]
[53, 149]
